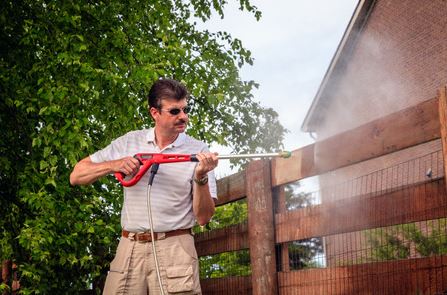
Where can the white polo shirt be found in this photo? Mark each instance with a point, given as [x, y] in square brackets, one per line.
[171, 194]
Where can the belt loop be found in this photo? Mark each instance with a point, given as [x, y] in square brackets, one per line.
[160, 236]
[131, 236]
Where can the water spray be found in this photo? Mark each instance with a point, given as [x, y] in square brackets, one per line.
[148, 159]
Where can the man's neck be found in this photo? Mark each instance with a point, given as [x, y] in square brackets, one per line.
[163, 140]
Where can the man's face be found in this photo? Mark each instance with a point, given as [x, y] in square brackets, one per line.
[171, 116]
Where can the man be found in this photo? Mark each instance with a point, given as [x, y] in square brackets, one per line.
[180, 193]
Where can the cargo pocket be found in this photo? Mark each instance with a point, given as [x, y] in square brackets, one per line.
[179, 279]
[120, 263]
[117, 276]
[187, 244]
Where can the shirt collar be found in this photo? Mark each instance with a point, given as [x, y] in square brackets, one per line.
[150, 137]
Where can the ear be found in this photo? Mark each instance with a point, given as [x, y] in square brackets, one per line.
[154, 112]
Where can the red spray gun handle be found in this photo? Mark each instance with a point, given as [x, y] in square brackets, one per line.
[146, 160]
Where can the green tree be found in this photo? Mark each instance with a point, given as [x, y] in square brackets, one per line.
[235, 263]
[409, 240]
[73, 76]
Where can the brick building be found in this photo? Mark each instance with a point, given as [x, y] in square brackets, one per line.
[393, 56]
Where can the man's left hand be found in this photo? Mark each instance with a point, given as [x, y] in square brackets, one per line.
[207, 162]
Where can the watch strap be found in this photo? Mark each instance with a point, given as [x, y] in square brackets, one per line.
[201, 181]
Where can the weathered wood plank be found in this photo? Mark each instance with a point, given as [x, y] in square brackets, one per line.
[228, 285]
[400, 130]
[299, 165]
[232, 238]
[442, 96]
[231, 188]
[414, 203]
[391, 133]
[412, 276]
[261, 237]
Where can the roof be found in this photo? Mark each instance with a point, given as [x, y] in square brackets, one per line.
[344, 49]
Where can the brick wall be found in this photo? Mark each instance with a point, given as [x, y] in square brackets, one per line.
[399, 59]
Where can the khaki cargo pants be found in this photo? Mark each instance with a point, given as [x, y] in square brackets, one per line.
[133, 269]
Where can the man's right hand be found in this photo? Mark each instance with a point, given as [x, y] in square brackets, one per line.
[127, 165]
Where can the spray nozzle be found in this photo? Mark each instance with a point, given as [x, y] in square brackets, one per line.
[285, 154]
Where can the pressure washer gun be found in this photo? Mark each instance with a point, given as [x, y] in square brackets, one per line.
[147, 160]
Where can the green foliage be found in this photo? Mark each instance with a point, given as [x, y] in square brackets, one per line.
[386, 245]
[235, 263]
[73, 76]
[408, 240]
[229, 214]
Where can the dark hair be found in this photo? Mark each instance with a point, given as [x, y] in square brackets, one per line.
[166, 89]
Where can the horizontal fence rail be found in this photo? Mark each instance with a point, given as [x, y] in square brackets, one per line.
[411, 276]
[229, 285]
[415, 203]
[226, 239]
[382, 136]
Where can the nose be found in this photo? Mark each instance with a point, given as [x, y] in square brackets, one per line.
[183, 115]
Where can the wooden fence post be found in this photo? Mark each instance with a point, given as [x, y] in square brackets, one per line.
[442, 96]
[261, 228]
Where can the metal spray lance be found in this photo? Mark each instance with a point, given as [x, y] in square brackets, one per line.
[148, 159]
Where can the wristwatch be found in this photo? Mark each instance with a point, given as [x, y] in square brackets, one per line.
[201, 181]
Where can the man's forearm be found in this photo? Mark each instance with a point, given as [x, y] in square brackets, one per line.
[87, 172]
[203, 204]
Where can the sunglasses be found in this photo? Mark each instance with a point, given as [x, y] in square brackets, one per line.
[176, 111]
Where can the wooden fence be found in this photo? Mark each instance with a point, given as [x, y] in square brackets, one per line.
[271, 227]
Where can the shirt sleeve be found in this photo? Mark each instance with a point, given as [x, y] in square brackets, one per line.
[211, 179]
[115, 150]
[212, 184]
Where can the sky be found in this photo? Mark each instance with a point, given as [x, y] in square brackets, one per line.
[292, 46]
